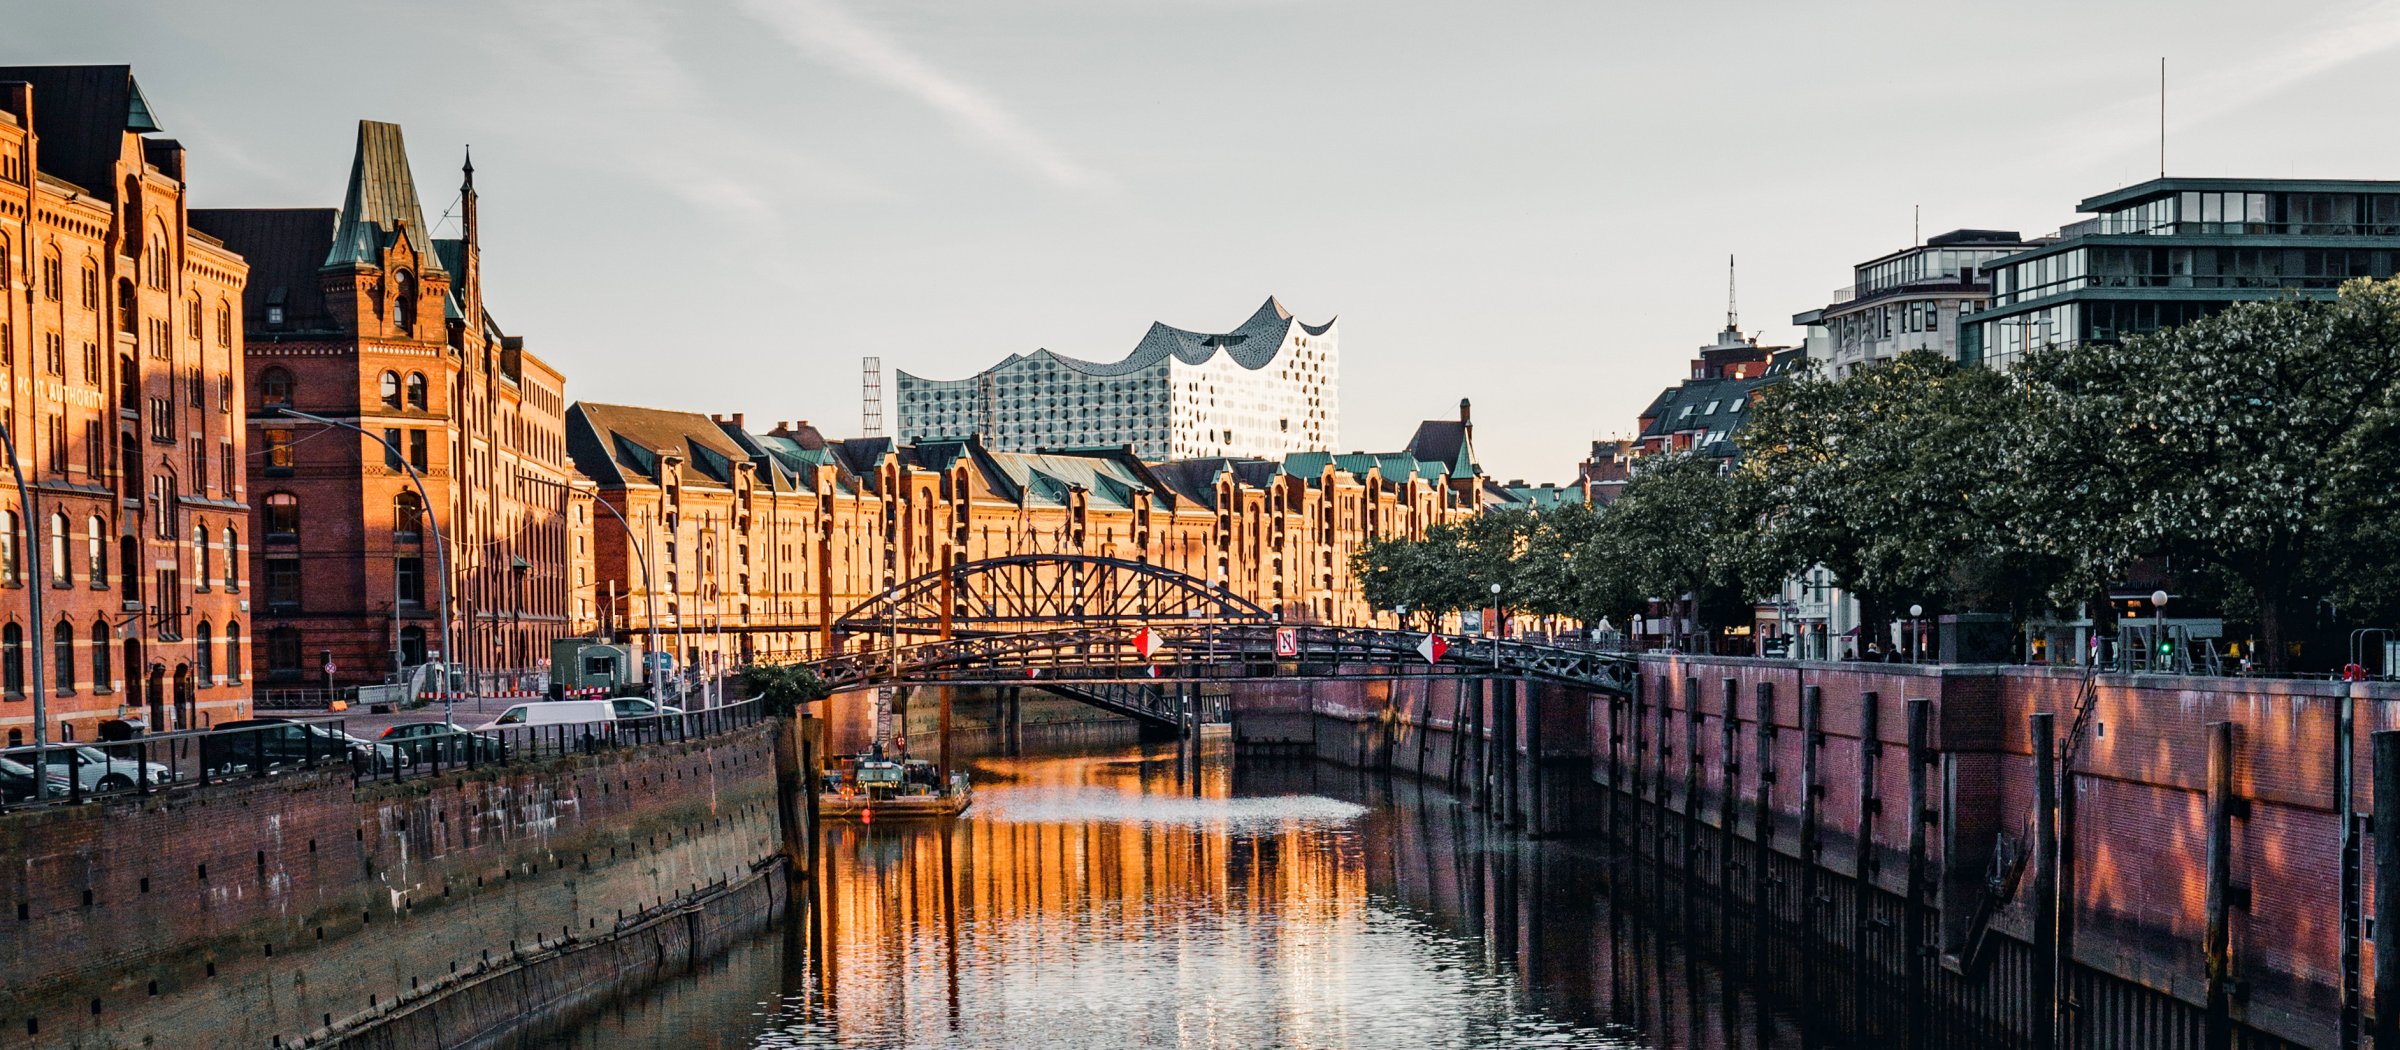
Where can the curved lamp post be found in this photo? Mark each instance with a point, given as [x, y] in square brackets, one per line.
[441, 547]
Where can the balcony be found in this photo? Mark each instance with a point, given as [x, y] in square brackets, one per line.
[2116, 225]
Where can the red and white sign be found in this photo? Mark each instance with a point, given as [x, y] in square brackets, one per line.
[1287, 641]
[1432, 648]
[1145, 642]
[1153, 670]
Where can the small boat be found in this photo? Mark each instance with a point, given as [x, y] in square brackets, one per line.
[868, 790]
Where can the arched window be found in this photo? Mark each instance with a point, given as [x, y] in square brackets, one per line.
[283, 518]
[95, 550]
[12, 659]
[233, 650]
[12, 571]
[62, 571]
[404, 300]
[62, 653]
[224, 323]
[275, 387]
[408, 514]
[103, 640]
[283, 651]
[233, 547]
[204, 649]
[416, 390]
[193, 313]
[391, 389]
[200, 554]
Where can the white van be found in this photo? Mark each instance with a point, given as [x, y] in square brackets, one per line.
[553, 712]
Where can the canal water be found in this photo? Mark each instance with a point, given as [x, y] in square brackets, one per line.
[1129, 896]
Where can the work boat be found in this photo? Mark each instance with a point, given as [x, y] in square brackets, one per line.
[867, 789]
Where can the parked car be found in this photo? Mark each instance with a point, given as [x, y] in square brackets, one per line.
[234, 747]
[99, 771]
[18, 782]
[443, 741]
[642, 707]
[553, 712]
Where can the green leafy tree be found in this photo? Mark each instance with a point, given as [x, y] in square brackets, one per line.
[784, 687]
[1897, 481]
[1679, 528]
[2244, 444]
[1547, 577]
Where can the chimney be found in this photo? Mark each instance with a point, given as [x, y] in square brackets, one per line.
[1466, 411]
[737, 421]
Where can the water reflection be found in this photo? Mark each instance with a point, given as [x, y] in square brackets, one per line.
[1128, 898]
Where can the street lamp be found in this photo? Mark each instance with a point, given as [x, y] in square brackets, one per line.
[35, 584]
[1499, 622]
[641, 555]
[441, 547]
[2158, 621]
[1916, 633]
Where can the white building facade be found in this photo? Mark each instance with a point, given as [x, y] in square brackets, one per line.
[1267, 388]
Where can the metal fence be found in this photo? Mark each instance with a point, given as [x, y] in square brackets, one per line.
[74, 773]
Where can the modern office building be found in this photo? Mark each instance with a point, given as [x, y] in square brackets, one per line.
[1911, 299]
[2171, 250]
[1269, 387]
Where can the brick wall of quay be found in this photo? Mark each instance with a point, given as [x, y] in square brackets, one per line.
[276, 911]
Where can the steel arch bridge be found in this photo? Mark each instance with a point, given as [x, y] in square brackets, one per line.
[1106, 665]
[1026, 591]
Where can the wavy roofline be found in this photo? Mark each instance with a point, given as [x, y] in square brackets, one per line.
[1164, 340]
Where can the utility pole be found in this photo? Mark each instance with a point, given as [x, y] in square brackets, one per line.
[34, 586]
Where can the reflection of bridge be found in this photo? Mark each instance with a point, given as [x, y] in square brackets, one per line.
[1111, 633]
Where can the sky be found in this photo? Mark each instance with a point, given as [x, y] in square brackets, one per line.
[722, 206]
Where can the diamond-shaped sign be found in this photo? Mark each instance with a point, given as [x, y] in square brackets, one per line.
[1145, 642]
[1432, 648]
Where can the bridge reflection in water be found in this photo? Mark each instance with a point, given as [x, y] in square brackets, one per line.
[1125, 898]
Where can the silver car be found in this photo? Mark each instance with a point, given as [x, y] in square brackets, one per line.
[100, 771]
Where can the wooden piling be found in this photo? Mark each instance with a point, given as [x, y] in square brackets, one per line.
[1917, 952]
[1862, 886]
[1812, 740]
[2386, 1016]
[2217, 944]
[1537, 815]
[2045, 882]
[2345, 792]
[1762, 818]
[1691, 780]
[1729, 768]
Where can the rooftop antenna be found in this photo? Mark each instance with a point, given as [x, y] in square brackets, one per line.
[870, 397]
[1916, 224]
[2162, 116]
[1733, 317]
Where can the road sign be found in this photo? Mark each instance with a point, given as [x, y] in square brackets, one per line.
[1145, 642]
[1432, 648]
[1287, 641]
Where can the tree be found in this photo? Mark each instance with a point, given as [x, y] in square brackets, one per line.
[1895, 479]
[1677, 533]
[784, 687]
[1547, 579]
[2240, 443]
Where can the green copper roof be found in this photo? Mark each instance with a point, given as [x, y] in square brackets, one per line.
[381, 202]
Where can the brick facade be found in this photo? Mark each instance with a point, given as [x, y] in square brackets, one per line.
[121, 345]
[361, 315]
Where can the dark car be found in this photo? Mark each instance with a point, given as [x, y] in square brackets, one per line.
[244, 745]
[440, 741]
[19, 783]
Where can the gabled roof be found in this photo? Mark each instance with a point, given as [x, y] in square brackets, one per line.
[82, 114]
[1447, 443]
[285, 247]
[381, 202]
[617, 444]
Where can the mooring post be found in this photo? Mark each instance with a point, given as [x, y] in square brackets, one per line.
[2386, 831]
[2217, 1026]
[1762, 819]
[1862, 886]
[1920, 755]
[1639, 756]
[1537, 817]
[2045, 882]
[1692, 822]
[1812, 740]
[1616, 765]
[2345, 774]
[1729, 767]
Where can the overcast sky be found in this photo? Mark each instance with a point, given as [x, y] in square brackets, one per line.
[723, 205]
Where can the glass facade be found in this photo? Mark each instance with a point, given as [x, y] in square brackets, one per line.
[2166, 258]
